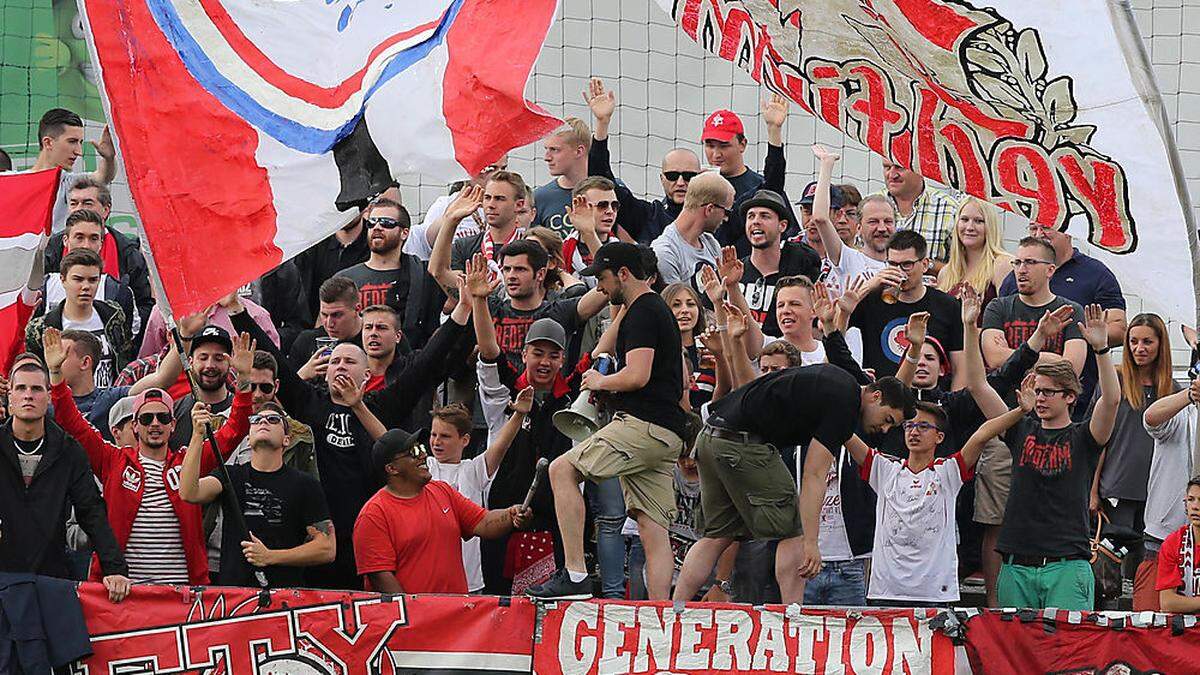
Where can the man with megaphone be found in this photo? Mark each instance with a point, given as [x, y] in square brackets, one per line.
[644, 438]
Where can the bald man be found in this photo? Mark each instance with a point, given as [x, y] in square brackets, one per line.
[688, 244]
[643, 220]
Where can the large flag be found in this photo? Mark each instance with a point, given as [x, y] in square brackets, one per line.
[1046, 108]
[27, 207]
[247, 128]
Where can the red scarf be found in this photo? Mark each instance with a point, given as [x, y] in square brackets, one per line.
[488, 248]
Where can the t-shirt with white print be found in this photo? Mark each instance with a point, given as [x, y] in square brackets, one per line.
[916, 553]
[106, 369]
[470, 478]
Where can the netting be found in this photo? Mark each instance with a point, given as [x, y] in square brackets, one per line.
[665, 85]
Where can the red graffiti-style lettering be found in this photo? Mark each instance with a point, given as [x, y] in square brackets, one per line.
[354, 639]
[1023, 172]
[829, 104]
[971, 175]
[1100, 184]
[876, 107]
[928, 162]
[203, 643]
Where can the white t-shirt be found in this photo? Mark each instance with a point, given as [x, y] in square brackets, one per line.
[831, 537]
[54, 293]
[916, 556]
[106, 370]
[806, 358]
[470, 478]
[417, 243]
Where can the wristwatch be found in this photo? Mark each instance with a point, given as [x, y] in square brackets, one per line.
[725, 586]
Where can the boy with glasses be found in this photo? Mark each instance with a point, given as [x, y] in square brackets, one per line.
[1044, 538]
[408, 536]
[285, 511]
[897, 292]
[915, 551]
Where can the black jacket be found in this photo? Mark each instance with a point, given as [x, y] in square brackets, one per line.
[33, 533]
[643, 220]
[423, 308]
[134, 272]
[41, 625]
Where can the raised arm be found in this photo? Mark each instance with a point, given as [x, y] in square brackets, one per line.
[1167, 407]
[106, 158]
[1104, 414]
[66, 413]
[298, 397]
[741, 367]
[914, 331]
[465, 203]
[503, 439]
[481, 316]
[974, 375]
[194, 488]
[991, 429]
[731, 270]
[829, 236]
[715, 344]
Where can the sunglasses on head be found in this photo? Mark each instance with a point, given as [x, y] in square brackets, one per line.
[265, 387]
[146, 419]
[266, 418]
[676, 175]
[382, 222]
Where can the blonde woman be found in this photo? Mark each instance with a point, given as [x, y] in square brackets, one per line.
[976, 255]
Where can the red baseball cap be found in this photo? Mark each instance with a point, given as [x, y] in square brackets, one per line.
[723, 126]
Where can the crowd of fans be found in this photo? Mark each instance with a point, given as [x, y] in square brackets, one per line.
[842, 400]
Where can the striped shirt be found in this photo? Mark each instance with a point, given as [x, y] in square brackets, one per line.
[154, 551]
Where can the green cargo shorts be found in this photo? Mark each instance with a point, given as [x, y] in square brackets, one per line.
[746, 491]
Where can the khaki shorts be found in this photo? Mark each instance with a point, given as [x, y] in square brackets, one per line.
[746, 491]
[642, 455]
[993, 477]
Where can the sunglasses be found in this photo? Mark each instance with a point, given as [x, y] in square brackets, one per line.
[606, 205]
[266, 418]
[382, 222]
[265, 387]
[920, 426]
[728, 212]
[417, 452]
[146, 419]
[676, 175]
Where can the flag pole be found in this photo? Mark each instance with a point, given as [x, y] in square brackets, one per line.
[232, 508]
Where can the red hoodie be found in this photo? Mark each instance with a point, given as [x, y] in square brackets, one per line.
[120, 472]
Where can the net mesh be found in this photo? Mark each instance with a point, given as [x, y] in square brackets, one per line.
[664, 82]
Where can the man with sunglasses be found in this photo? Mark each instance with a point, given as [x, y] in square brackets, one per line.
[393, 278]
[285, 511]
[163, 536]
[897, 292]
[1044, 541]
[408, 537]
[594, 210]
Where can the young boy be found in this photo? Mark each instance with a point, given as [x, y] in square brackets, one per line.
[1178, 581]
[915, 561]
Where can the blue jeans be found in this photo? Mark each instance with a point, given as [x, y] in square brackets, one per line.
[840, 582]
[608, 507]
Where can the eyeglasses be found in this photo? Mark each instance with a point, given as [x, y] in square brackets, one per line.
[146, 419]
[382, 222]
[266, 418]
[1029, 262]
[904, 265]
[267, 388]
[920, 426]
[606, 205]
[1048, 393]
[676, 175]
[728, 212]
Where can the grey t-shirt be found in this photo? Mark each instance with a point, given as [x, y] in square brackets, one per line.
[1126, 469]
[1018, 321]
[553, 204]
[680, 261]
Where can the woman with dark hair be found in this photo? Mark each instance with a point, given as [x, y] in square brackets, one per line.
[1119, 486]
[692, 317]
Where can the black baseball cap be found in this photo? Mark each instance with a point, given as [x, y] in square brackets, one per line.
[392, 443]
[836, 199]
[212, 333]
[613, 256]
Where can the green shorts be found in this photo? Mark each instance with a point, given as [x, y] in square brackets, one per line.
[1067, 584]
[746, 491]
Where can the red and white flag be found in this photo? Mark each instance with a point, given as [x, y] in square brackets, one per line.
[26, 205]
[248, 130]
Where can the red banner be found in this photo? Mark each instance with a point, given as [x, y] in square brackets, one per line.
[223, 631]
[1074, 644]
[618, 637]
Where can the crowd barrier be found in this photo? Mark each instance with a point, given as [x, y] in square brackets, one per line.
[232, 631]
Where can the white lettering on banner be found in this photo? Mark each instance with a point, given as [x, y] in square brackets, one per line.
[597, 638]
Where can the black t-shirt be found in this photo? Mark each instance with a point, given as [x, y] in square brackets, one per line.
[379, 287]
[183, 420]
[1019, 321]
[648, 323]
[1047, 510]
[278, 507]
[883, 325]
[512, 324]
[793, 406]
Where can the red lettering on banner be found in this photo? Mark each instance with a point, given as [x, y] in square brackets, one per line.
[1023, 172]
[928, 162]
[355, 645]
[1101, 184]
[829, 104]
[876, 107]
[238, 640]
[969, 165]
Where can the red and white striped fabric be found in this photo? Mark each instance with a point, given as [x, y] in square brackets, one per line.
[27, 204]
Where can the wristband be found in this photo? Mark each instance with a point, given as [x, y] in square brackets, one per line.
[1100, 352]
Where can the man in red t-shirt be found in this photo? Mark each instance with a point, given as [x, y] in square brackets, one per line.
[1179, 560]
[408, 537]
